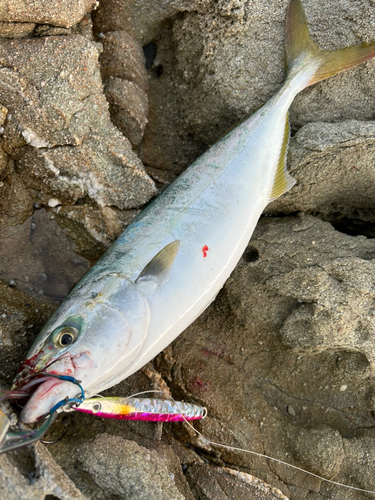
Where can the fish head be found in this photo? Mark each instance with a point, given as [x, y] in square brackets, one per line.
[93, 336]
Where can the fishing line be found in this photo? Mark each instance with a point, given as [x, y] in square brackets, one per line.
[262, 455]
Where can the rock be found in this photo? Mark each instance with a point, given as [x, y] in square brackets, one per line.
[220, 63]
[332, 163]
[16, 30]
[123, 58]
[289, 329]
[121, 468]
[63, 13]
[40, 477]
[92, 229]
[321, 450]
[284, 358]
[128, 105]
[216, 483]
[67, 148]
[125, 83]
[16, 204]
[21, 318]
[40, 258]
[142, 18]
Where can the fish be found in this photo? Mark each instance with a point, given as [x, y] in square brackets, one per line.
[171, 262]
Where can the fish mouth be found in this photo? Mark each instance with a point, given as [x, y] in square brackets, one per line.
[45, 389]
[31, 370]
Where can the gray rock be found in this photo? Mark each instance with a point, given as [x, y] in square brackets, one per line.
[93, 229]
[64, 13]
[290, 329]
[221, 62]
[118, 467]
[66, 146]
[39, 478]
[21, 317]
[128, 105]
[16, 30]
[333, 166]
[322, 448]
[39, 247]
[284, 358]
[217, 483]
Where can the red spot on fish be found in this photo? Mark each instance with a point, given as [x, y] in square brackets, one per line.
[50, 348]
[205, 250]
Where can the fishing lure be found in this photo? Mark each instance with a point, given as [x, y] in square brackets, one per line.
[130, 408]
[146, 409]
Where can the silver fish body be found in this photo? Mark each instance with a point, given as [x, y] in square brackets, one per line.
[171, 262]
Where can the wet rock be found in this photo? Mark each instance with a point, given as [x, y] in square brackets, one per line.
[63, 13]
[216, 483]
[122, 468]
[58, 121]
[38, 477]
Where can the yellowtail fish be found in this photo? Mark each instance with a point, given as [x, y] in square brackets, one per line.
[169, 265]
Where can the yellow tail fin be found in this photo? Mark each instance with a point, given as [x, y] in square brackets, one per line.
[300, 48]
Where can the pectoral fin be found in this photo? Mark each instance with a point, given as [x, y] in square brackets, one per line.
[283, 181]
[158, 268]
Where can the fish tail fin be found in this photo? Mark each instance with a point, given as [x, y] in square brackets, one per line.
[301, 49]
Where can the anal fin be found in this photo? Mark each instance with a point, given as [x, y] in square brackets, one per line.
[283, 181]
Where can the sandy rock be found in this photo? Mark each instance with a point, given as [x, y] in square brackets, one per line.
[40, 259]
[39, 478]
[58, 120]
[284, 358]
[142, 18]
[123, 58]
[91, 228]
[16, 203]
[284, 350]
[333, 166]
[64, 13]
[16, 30]
[323, 448]
[216, 483]
[122, 468]
[128, 105]
[221, 62]
[21, 317]
[125, 83]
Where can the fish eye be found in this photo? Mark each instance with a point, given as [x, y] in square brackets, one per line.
[64, 336]
[96, 407]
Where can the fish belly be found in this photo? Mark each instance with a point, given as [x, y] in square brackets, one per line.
[212, 209]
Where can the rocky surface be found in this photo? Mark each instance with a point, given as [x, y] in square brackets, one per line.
[284, 358]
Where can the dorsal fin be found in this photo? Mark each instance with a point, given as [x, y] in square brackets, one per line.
[283, 181]
[161, 264]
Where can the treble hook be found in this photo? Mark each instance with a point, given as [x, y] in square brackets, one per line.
[13, 440]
